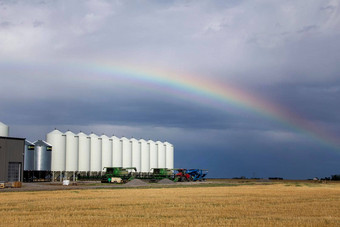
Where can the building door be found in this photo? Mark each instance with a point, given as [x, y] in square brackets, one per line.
[14, 171]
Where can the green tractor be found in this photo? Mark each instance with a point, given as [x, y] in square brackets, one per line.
[118, 174]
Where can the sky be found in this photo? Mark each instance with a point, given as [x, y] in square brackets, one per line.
[242, 88]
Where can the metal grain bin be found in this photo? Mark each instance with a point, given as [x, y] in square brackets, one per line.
[106, 152]
[58, 142]
[161, 154]
[4, 130]
[83, 152]
[126, 152]
[71, 151]
[42, 156]
[169, 155]
[95, 153]
[29, 156]
[153, 154]
[135, 153]
[116, 152]
[145, 156]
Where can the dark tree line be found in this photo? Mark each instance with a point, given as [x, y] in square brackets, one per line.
[335, 177]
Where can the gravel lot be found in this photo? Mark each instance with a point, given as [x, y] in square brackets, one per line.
[50, 186]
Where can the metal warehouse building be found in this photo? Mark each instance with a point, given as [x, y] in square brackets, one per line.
[11, 156]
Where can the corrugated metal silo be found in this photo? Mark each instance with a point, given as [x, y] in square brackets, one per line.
[83, 152]
[42, 156]
[116, 152]
[153, 154]
[172, 152]
[126, 152]
[29, 156]
[169, 155]
[4, 130]
[145, 156]
[96, 156]
[71, 152]
[161, 154]
[106, 152]
[135, 152]
[58, 142]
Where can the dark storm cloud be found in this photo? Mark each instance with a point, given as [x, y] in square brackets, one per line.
[252, 155]
[131, 110]
[316, 102]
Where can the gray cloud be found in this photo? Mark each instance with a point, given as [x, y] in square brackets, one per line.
[5, 24]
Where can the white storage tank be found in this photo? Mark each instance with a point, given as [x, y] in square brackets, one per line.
[83, 152]
[29, 156]
[71, 152]
[145, 156]
[42, 156]
[4, 130]
[153, 154]
[58, 142]
[96, 156]
[135, 151]
[161, 154]
[169, 155]
[116, 152]
[106, 152]
[126, 152]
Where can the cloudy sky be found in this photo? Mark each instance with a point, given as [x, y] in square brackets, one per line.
[87, 66]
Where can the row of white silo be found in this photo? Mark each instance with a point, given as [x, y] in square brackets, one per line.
[91, 153]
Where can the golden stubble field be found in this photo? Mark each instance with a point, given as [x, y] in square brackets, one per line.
[246, 205]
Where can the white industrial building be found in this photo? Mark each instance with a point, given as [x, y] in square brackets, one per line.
[83, 153]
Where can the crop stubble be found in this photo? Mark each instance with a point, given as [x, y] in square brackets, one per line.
[200, 206]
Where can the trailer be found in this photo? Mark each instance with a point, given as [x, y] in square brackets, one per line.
[197, 174]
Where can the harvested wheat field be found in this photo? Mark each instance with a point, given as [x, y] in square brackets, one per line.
[248, 205]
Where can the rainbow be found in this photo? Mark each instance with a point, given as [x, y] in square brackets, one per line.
[204, 91]
[207, 92]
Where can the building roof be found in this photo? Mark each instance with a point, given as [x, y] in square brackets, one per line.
[12, 138]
